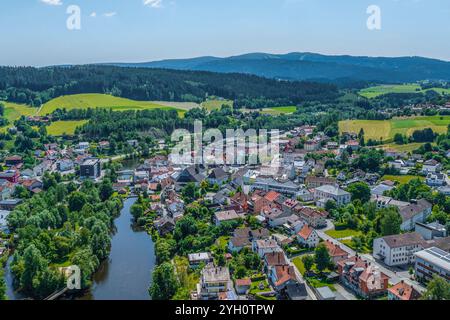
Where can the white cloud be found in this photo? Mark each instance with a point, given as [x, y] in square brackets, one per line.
[153, 3]
[93, 14]
[52, 2]
[110, 14]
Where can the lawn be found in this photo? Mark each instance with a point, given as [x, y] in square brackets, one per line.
[59, 128]
[344, 233]
[315, 281]
[401, 179]
[94, 100]
[386, 129]
[349, 243]
[376, 91]
[299, 264]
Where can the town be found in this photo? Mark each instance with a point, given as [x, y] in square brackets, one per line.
[334, 221]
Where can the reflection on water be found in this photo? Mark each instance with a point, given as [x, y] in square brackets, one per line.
[126, 275]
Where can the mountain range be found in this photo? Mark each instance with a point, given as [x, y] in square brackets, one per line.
[313, 66]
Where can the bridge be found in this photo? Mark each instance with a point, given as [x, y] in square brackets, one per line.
[57, 294]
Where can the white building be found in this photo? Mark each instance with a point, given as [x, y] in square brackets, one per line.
[261, 247]
[432, 261]
[398, 250]
[329, 192]
[431, 166]
[436, 179]
[308, 237]
[416, 211]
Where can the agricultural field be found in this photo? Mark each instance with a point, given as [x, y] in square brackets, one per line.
[373, 92]
[274, 110]
[216, 104]
[14, 111]
[81, 101]
[60, 128]
[386, 129]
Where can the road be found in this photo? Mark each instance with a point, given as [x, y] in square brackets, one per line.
[395, 277]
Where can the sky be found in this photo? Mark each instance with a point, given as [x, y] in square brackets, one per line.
[35, 32]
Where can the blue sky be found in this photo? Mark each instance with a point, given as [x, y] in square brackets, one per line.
[34, 32]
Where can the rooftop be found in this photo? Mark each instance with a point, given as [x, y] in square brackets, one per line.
[436, 256]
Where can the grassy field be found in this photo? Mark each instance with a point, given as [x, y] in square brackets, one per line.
[297, 261]
[216, 104]
[401, 179]
[410, 147]
[376, 91]
[14, 111]
[344, 233]
[82, 101]
[59, 128]
[386, 129]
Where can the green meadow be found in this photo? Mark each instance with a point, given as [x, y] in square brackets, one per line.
[93, 100]
[386, 129]
[373, 92]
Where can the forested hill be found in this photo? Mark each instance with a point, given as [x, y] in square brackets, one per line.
[38, 85]
[310, 66]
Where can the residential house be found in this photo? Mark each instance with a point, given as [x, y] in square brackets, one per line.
[313, 217]
[416, 211]
[214, 281]
[223, 216]
[282, 275]
[164, 225]
[315, 182]
[336, 252]
[262, 200]
[311, 146]
[275, 216]
[331, 192]
[396, 250]
[243, 237]
[431, 166]
[432, 261]
[217, 176]
[64, 165]
[263, 246]
[436, 179]
[308, 237]
[384, 202]
[242, 286]
[272, 259]
[191, 174]
[403, 291]
[10, 175]
[362, 277]
[13, 161]
[195, 259]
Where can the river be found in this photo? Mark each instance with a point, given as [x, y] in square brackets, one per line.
[126, 275]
